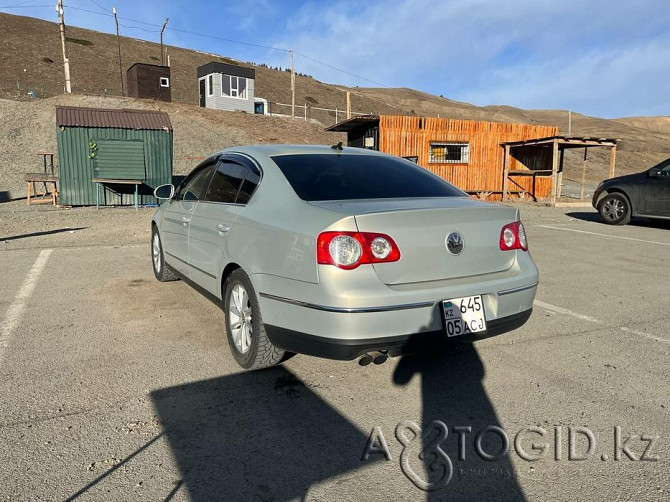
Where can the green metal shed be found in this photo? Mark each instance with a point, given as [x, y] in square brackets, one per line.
[120, 148]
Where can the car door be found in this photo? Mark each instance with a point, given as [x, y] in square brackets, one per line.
[178, 214]
[229, 190]
[656, 191]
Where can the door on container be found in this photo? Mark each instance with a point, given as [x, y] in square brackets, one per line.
[229, 191]
[202, 93]
[176, 222]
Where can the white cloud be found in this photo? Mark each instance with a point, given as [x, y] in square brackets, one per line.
[586, 56]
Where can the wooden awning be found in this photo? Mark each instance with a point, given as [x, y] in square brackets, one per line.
[558, 145]
[564, 142]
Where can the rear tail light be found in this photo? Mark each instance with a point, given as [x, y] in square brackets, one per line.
[348, 250]
[513, 236]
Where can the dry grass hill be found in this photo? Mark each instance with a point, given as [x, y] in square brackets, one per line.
[31, 61]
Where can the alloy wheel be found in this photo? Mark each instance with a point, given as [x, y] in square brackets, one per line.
[239, 318]
[613, 209]
[156, 252]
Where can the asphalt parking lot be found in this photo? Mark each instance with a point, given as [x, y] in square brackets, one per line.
[116, 387]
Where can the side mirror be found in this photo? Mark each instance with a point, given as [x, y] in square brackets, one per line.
[654, 172]
[164, 191]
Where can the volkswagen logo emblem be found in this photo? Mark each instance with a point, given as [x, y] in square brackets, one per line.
[455, 243]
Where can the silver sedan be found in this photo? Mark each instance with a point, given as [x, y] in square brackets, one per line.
[342, 253]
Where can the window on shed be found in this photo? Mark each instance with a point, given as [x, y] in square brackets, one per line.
[210, 85]
[234, 87]
[165, 82]
[449, 153]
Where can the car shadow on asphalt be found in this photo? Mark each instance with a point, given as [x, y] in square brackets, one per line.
[636, 222]
[38, 234]
[453, 394]
[267, 435]
[261, 435]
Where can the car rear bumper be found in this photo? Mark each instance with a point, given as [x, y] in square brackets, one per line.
[347, 314]
[348, 349]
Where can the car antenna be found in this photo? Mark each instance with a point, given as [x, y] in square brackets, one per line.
[337, 147]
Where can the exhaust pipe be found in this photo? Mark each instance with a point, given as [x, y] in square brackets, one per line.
[365, 360]
[377, 357]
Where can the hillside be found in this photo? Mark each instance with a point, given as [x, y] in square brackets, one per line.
[31, 61]
[28, 127]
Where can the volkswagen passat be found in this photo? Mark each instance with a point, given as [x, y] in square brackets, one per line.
[341, 253]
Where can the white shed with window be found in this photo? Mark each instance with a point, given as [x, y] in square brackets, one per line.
[224, 86]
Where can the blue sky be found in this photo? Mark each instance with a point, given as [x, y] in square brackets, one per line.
[602, 58]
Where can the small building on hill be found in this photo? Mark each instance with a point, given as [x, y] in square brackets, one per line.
[487, 158]
[224, 86]
[112, 157]
[149, 81]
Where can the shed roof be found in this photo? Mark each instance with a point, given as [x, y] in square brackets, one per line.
[70, 116]
[149, 64]
[355, 123]
[228, 69]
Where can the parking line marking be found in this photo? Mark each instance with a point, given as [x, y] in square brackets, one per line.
[15, 310]
[605, 235]
[646, 335]
[561, 310]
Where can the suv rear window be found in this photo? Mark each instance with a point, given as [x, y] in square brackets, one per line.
[317, 177]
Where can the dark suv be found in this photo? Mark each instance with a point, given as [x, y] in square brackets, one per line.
[645, 194]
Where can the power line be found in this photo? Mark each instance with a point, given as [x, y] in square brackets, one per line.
[23, 6]
[20, 5]
[183, 31]
[138, 28]
[98, 5]
[340, 70]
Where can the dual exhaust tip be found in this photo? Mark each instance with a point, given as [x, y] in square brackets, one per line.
[377, 357]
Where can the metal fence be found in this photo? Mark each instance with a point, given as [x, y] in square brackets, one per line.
[307, 112]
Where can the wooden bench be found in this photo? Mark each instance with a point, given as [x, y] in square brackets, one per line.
[40, 197]
[109, 181]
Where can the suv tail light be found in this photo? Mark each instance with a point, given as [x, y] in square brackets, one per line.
[513, 236]
[348, 250]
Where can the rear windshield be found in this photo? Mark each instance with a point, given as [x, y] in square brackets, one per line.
[344, 177]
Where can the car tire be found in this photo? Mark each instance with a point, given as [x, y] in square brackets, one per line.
[248, 341]
[161, 269]
[614, 209]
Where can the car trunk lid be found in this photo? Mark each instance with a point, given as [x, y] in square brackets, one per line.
[420, 228]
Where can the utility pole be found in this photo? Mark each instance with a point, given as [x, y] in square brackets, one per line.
[292, 86]
[118, 41]
[66, 61]
[569, 122]
[348, 104]
[162, 30]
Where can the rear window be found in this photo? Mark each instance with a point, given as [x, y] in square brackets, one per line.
[345, 177]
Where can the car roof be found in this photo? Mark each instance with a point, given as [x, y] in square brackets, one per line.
[270, 150]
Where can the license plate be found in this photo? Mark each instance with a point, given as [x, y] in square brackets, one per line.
[463, 316]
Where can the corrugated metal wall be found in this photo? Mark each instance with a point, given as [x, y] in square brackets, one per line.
[76, 169]
[411, 136]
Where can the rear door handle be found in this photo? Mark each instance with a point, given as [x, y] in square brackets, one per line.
[222, 228]
[185, 220]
